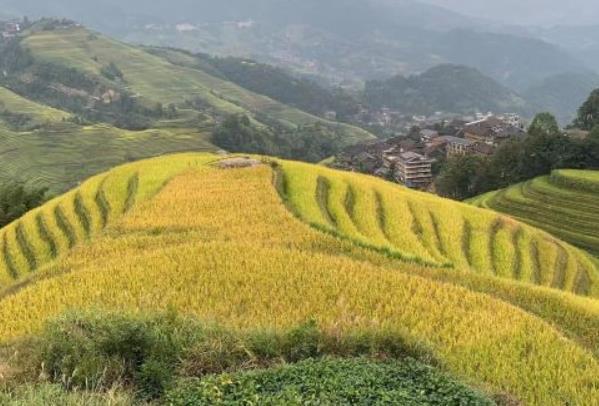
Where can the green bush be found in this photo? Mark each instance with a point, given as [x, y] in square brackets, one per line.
[329, 381]
[98, 351]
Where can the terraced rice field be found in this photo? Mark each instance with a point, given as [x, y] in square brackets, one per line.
[177, 232]
[61, 156]
[155, 79]
[434, 232]
[565, 204]
[51, 231]
[41, 114]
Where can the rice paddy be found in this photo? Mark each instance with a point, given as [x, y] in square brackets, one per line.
[353, 253]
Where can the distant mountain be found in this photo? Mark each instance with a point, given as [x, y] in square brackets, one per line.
[345, 41]
[514, 61]
[450, 88]
[581, 41]
[562, 94]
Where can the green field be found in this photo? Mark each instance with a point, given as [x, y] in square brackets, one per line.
[155, 79]
[60, 156]
[566, 204]
[41, 114]
[358, 255]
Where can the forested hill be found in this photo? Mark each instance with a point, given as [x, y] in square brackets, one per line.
[454, 88]
[274, 82]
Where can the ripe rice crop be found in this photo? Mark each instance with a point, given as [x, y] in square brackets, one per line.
[221, 245]
[434, 231]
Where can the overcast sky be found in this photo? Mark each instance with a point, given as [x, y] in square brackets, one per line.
[538, 12]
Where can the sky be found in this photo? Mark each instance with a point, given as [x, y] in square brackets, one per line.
[528, 12]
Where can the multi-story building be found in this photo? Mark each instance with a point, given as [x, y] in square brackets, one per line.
[413, 170]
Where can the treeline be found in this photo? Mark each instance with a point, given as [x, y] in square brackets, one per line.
[544, 149]
[310, 143]
[452, 88]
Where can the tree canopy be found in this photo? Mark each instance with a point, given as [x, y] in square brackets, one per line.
[588, 113]
[16, 199]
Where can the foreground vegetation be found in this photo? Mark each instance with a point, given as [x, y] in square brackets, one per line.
[180, 361]
[564, 203]
[222, 246]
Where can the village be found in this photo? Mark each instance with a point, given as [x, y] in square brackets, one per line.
[410, 158]
[9, 29]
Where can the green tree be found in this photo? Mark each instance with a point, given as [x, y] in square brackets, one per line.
[16, 199]
[588, 113]
[459, 177]
[544, 123]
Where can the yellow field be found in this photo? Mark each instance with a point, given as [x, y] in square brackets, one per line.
[221, 244]
[433, 231]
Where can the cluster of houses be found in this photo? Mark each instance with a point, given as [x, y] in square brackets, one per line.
[10, 29]
[409, 159]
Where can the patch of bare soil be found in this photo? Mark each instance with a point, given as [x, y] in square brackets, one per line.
[238, 162]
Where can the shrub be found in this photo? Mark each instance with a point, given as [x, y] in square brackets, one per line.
[329, 381]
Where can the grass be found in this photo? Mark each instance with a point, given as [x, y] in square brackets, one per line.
[220, 245]
[61, 157]
[54, 394]
[564, 204]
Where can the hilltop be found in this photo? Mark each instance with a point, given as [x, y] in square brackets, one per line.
[268, 244]
[89, 93]
[451, 88]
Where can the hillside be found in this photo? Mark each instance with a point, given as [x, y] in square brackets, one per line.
[102, 102]
[452, 88]
[356, 254]
[155, 80]
[564, 203]
[271, 81]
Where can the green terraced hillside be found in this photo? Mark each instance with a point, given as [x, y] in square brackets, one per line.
[13, 103]
[58, 148]
[566, 204]
[155, 79]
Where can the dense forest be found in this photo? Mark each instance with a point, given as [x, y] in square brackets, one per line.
[310, 143]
